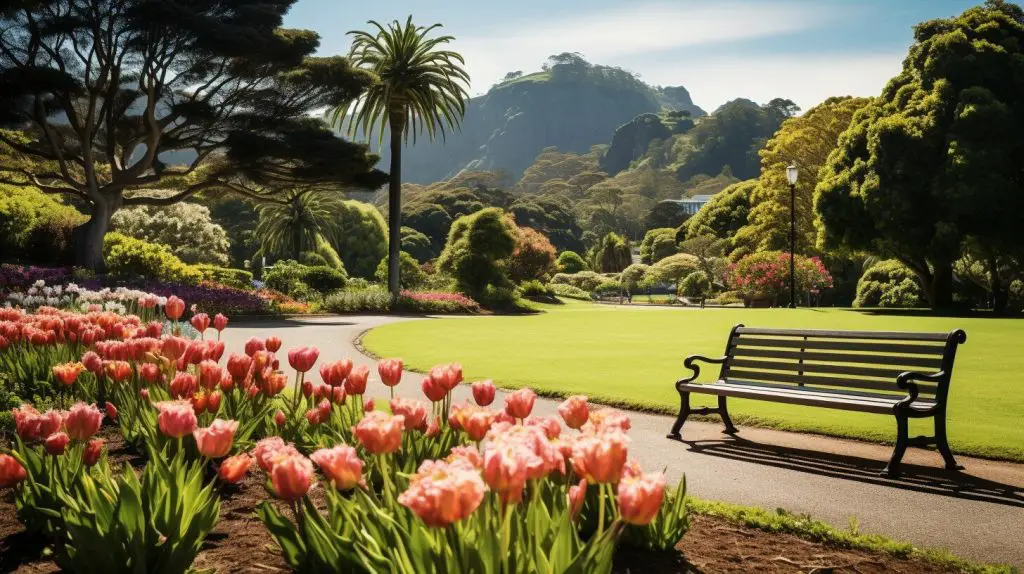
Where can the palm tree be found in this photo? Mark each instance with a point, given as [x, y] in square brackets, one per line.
[420, 88]
[295, 224]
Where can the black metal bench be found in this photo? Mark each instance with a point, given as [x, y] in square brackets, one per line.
[901, 374]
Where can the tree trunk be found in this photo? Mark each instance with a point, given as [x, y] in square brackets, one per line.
[397, 124]
[999, 295]
[88, 237]
[297, 230]
[938, 286]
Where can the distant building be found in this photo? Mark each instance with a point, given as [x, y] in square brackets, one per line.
[690, 205]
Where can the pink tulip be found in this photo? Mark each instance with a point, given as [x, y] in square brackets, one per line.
[271, 449]
[174, 308]
[93, 451]
[433, 429]
[111, 410]
[600, 457]
[549, 425]
[442, 493]
[340, 465]
[201, 322]
[252, 345]
[338, 395]
[174, 347]
[92, 363]
[176, 418]
[355, 384]
[505, 470]
[368, 405]
[574, 411]
[414, 412]
[577, 495]
[302, 358]
[279, 418]
[610, 418]
[220, 322]
[434, 388]
[11, 471]
[82, 421]
[519, 404]
[56, 443]
[32, 426]
[144, 394]
[390, 371]
[210, 374]
[292, 477]
[640, 497]
[215, 440]
[334, 373]
[183, 385]
[238, 366]
[213, 402]
[274, 344]
[483, 393]
[233, 469]
[149, 372]
[379, 432]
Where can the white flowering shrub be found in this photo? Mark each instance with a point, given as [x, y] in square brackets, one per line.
[186, 228]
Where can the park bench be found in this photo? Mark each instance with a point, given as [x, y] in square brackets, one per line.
[905, 375]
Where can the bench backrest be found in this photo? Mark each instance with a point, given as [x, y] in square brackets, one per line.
[860, 360]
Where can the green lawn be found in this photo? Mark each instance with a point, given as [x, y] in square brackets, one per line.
[633, 355]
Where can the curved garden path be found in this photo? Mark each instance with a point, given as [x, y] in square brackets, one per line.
[977, 514]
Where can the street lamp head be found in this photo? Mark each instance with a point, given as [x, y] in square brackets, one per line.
[791, 174]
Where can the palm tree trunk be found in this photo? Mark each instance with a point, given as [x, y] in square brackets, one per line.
[397, 125]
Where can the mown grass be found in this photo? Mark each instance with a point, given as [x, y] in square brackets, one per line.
[806, 527]
[632, 356]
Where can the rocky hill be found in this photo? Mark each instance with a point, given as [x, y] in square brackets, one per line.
[572, 105]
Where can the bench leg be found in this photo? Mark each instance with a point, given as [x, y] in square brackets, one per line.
[684, 411]
[902, 439]
[942, 443]
[724, 411]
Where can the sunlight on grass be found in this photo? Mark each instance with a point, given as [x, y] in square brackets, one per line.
[633, 355]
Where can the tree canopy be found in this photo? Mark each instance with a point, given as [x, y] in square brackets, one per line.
[106, 93]
[936, 158]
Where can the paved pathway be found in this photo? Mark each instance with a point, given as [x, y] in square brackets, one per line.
[977, 514]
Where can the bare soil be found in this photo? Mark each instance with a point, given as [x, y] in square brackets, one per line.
[240, 543]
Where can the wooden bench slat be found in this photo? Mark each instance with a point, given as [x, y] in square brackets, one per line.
[829, 334]
[928, 363]
[797, 398]
[839, 345]
[889, 374]
[888, 398]
[777, 377]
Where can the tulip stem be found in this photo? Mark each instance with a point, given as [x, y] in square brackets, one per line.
[600, 510]
[384, 476]
[506, 533]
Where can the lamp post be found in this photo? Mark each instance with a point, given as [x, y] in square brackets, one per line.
[791, 175]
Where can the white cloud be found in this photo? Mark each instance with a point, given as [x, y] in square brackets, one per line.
[612, 36]
[807, 79]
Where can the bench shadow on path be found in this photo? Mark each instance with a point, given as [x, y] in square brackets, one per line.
[931, 480]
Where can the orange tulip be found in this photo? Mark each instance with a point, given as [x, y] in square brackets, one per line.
[355, 383]
[577, 495]
[600, 457]
[201, 322]
[118, 371]
[340, 465]
[574, 411]
[67, 373]
[233, 469]
[292, 477]
[215, 440]
[379, 432]
[441, 493]
[518, 404]
[415, 412]
[273, 344]
[640, 497]
[174, 308]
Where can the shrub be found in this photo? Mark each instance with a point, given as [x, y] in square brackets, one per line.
[632, 277]
[373, 299]
[671, 270]
[695, 284]
[612, 255]
[766, 274]
[658, 244]
[436, 302]
[237, 278]
[609, 288]
[313, 259]
[533, 257]
[586, 280]
[363, 239]
[727, 298]
[298, 280]
[417, 244]
[185, 228]
[534, 288]
[129, 257]
[36, 227]
[478, 246]
[888, 284]
[410, 274]
[570, 292]
[571, 262]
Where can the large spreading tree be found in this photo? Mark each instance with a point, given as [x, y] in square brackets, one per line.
[421, 88]
[937, 157]
[108, 100]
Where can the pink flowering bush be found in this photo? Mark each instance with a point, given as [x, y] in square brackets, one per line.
[766, 275]
[436, 302]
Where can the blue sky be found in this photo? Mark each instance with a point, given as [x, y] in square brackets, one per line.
[805, 50]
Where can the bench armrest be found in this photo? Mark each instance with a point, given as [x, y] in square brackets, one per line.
[906, 379]
[689, 363]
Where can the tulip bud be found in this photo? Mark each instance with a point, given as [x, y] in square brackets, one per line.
[111, 410]
[56, 443]
[213, 402]
[279, 418]
[93, 451]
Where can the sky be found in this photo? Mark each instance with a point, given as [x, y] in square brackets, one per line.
[804, 50]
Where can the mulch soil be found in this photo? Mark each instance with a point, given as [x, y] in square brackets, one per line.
[240, 543]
